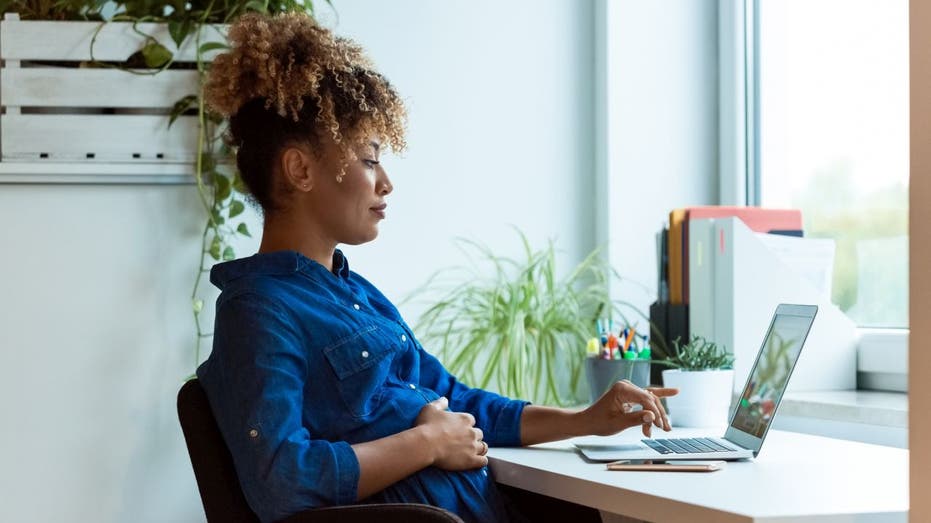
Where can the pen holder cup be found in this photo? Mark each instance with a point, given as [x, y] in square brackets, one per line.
[603, 373]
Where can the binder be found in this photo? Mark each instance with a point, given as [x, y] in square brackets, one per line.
[676, 238]
[701, 278]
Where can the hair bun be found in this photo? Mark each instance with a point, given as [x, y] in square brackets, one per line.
[288, 60]
[281, 59]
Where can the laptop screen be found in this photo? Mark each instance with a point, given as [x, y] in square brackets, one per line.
[770, 374]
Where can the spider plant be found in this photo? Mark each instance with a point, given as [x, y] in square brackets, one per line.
[522, 330]
[698, 354]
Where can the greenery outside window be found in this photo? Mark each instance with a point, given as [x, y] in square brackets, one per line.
[830, 136]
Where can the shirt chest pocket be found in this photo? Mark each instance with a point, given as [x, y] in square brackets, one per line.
[361, 362]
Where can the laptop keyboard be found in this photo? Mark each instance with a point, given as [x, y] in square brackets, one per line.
[687, 445]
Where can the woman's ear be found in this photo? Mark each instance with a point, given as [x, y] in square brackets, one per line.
[297, 166]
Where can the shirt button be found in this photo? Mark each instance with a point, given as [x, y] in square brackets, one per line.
[412, 386]
[403, 337]
[253, 433]
[365, 354]
[355, 306]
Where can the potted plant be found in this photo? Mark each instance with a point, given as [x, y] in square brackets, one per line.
[522, 330]
[704, 374]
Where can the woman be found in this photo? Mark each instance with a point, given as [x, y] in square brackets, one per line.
[320, 389]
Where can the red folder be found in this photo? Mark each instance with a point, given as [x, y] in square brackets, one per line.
[757, 219]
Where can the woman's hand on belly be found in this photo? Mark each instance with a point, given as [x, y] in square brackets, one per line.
[456, 442]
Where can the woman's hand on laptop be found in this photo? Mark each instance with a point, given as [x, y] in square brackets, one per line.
[626, 405]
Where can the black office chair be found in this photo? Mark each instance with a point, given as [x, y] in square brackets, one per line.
[223, 498]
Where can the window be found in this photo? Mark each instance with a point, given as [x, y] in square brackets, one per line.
[828, 133]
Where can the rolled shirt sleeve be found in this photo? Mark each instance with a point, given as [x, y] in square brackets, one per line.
[255, 380]
[497, 416]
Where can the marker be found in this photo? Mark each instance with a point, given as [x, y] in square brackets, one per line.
[612, 343]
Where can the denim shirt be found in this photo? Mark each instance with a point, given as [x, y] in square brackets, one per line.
[307, 362]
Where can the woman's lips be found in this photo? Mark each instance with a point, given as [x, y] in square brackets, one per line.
[380, 210]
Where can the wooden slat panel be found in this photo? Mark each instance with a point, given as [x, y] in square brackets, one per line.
[64, 87]
[96, 179]
[96, 172]
[108, 137]
[45, 40]
[140, 167]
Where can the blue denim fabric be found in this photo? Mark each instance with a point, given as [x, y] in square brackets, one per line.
[307, 362]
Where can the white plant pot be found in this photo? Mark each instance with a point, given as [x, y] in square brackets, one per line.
[704, 397]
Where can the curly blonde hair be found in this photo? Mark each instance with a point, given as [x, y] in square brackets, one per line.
[286, 78]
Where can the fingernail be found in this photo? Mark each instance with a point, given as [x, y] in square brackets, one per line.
[646, 418]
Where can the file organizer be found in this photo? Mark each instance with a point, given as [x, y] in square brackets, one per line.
[669, 322]
[735, 284]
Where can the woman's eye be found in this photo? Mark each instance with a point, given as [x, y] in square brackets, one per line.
[371, 163]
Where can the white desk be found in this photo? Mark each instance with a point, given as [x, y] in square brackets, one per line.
[796, 478]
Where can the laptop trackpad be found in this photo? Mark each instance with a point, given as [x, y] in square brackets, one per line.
[614, 452]
[611, 448]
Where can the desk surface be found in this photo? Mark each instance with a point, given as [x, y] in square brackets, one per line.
[797, 477]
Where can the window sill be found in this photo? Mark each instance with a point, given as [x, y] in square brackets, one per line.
[887, 409]
[879, 418]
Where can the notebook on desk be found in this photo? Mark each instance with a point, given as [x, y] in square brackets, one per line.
[757, 406]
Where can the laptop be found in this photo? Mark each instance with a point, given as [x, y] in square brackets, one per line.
[755, 411]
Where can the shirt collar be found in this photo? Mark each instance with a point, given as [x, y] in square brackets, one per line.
[340, 264]
[275, 263]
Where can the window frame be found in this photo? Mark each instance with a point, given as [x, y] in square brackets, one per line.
[882, 354]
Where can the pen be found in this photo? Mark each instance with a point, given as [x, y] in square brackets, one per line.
[630, 338]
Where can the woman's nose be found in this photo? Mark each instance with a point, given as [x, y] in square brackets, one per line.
[385, 182]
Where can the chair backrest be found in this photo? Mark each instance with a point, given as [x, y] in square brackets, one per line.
[213, 465]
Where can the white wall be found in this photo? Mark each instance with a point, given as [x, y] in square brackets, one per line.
[95, 340]
[661, 103]
[500, 102]
[95, 328]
